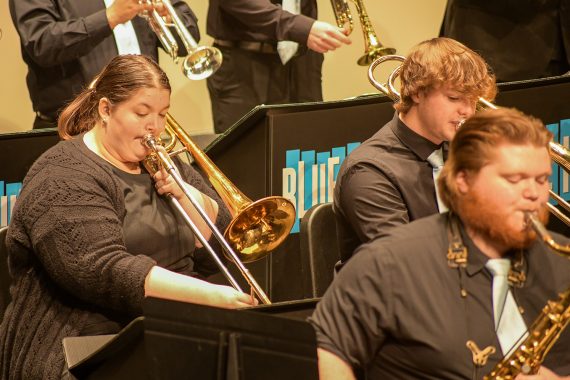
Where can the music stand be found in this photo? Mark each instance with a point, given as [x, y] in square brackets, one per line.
[176, 340]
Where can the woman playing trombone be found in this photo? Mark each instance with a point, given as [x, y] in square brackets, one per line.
[90, 237]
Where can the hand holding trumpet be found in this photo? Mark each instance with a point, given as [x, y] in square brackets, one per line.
[122, 11]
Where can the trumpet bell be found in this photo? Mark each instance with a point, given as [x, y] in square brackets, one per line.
[202, 62]
[260, 227]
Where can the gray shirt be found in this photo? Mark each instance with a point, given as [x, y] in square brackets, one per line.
[396, 311]
[383, 183]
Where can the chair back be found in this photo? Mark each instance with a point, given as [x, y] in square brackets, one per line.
[4, 274]
[319, 243]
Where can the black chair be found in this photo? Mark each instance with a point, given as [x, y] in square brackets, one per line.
[319, 244]
[4, 275]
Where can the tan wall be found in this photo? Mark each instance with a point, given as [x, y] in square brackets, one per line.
[399, 24]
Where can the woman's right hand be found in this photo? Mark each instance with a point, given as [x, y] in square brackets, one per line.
[229, 298]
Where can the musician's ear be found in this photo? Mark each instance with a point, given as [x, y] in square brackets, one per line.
[462, 182]
[104, 108]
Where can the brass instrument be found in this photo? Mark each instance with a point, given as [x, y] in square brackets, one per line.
[545, 330]
[558, 152]
[372, 46]
[201, 61]
[256, 228]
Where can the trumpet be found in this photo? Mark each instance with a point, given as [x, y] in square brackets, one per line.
[201, 61]
[372, 46]
[256, 228]
[559, 153]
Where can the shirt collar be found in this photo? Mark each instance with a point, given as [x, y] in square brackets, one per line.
[476, 259]
[419, 145]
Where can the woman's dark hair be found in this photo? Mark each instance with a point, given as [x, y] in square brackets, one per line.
[118, 81]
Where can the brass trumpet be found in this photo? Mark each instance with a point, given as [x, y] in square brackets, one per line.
[558, 153]
[256, 228]
[201, 61]
[372, 46]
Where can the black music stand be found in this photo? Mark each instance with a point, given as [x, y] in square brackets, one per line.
[176, 340]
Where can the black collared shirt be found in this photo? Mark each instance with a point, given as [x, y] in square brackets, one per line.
[259, 20]
[66, 43]
[383, 183]
[396, 310]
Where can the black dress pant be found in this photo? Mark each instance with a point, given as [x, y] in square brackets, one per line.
[247, 79]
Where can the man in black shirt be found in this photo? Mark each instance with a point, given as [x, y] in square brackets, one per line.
[388, 180]
[66, 43]
[422, 302]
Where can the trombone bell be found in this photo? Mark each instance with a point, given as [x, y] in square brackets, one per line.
[260, 227]
[256, 227]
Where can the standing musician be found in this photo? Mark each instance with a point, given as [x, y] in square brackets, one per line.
[66, 43]
[520, 39]
[90, 236]
[389, 179]
[266, 60]
[432, 300]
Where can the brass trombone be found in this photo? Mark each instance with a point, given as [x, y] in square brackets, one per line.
[558, 153]
[256, 228]
[201, 61]
[372, 46]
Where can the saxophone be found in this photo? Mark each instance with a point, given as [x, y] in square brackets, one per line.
[545, 330]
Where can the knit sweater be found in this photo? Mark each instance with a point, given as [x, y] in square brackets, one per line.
[71, 272]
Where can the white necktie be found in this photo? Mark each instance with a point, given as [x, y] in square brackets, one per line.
[435, 159]
[509, 322]
[287, 49]
[125, 36]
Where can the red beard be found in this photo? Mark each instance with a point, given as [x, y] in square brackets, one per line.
[490, 223]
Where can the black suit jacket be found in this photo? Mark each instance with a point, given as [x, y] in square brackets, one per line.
[520, 39]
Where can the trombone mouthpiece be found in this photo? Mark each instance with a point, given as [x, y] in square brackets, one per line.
[149, 141]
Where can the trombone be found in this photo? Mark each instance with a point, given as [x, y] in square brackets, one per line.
[558, 153]
[201, 61]
[372, 46]
[256, 228]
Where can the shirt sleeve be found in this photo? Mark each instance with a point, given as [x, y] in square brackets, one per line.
[371, 203]
[269, 19]
[49, 38]
[190, 21]
[354, 315]
[76, 234]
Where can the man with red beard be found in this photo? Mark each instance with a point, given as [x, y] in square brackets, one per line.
[422, 302]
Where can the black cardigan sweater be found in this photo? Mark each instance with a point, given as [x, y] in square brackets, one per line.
[71, 273]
